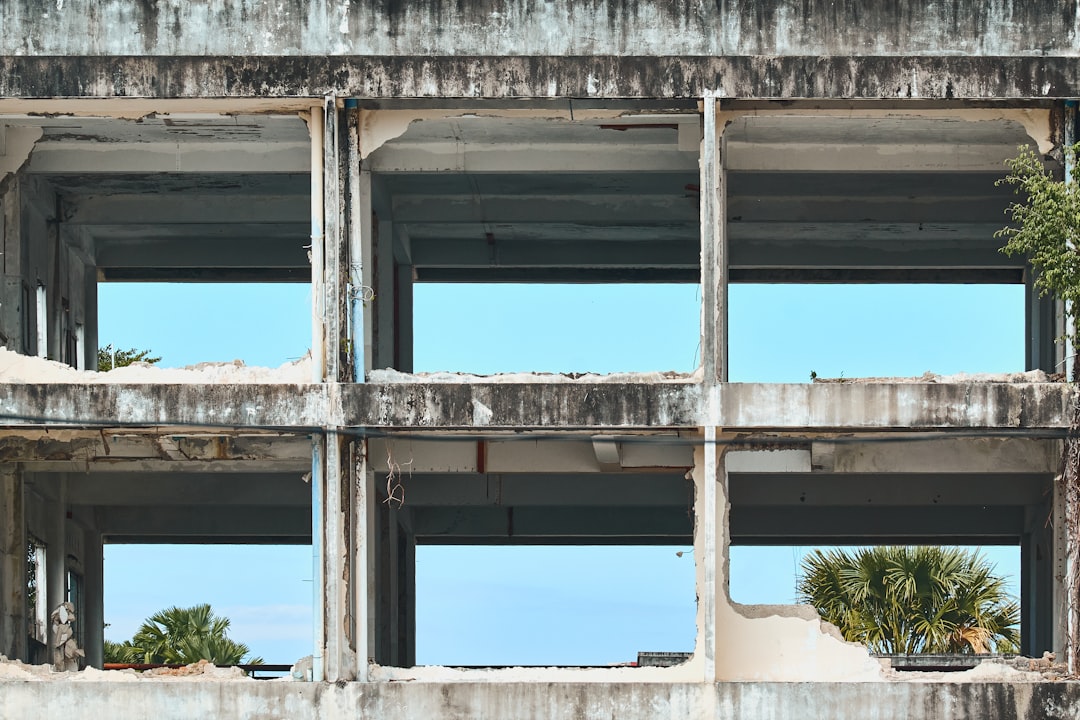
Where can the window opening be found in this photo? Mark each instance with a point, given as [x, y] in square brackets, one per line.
[261, 324]
[552, 605]
[792, 333]
[489, 328]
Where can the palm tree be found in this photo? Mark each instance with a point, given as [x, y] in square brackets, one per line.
[912, 599]
[181, 636]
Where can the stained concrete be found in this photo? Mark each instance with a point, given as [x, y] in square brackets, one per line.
[901, 78]
[241, 700]
[564, 405]
[519, 27]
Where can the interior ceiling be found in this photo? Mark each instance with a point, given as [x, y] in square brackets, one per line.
[809, 199]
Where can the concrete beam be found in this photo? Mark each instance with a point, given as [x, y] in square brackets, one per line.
[203, 524]
[485, 406]
[212, 489]
[176, 157]
[90, 452]
[818, 525]
[607, 491]
[261, 406]
[552, 524]
[902, 78]
[556, 698]
[888, 489]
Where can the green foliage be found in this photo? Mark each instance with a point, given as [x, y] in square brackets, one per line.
[109, 357]
[912, 599]
[181, 636]
[1045, 223]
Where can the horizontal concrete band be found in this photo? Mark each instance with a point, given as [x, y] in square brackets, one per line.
[874, 77]
[508, 700]
[545, 405]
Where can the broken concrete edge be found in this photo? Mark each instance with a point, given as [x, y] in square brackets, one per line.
[202, 670]
[999, 670]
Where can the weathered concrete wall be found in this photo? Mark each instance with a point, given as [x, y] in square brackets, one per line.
[239, 700]
[520, 48]
[522, 27]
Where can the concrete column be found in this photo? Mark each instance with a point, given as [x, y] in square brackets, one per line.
[713, 248]
[12, 306]
[12, 564]
[1071, 362]
[710, 519]
[1059, 568]
[403, 296]
[56, 548]
[336, 561]
[94, 588]
[406, 586]
[363, 585]
[335, 245]
[360, 259]
[386, 584]
[1043, 321]
[385, 303]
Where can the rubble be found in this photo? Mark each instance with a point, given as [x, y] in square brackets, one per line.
[1031, 376]
[16, 368]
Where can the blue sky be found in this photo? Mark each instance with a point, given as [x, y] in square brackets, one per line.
[540, 605]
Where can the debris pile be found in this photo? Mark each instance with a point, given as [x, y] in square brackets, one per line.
[17, 368]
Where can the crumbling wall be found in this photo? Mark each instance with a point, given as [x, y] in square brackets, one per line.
[767, 642]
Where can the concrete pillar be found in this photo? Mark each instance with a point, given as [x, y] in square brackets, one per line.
[710, 519]
[56, 548]
[12, 301]
[406, 587]
[12, 564]
[335, 245]
[94, 592]
[714, 305]
[403, 296]
[1037, 584]
[385, 304]
[336, 561]
[1044, 327]
[386, 584]
[363, 586]
[1059, 569]
[366, 271]
[1072, 363]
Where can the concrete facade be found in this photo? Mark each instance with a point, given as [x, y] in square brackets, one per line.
[366, 148]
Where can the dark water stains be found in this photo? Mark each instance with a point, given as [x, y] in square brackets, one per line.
[750, 77]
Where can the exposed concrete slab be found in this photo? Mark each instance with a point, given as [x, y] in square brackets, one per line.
[610, 77]
[240, 700]
[420, 406]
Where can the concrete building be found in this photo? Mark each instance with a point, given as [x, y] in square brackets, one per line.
[367, 147]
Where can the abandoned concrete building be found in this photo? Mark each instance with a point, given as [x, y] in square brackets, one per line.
[365, 148]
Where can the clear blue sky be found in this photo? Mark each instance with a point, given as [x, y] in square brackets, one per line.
[540, 605]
